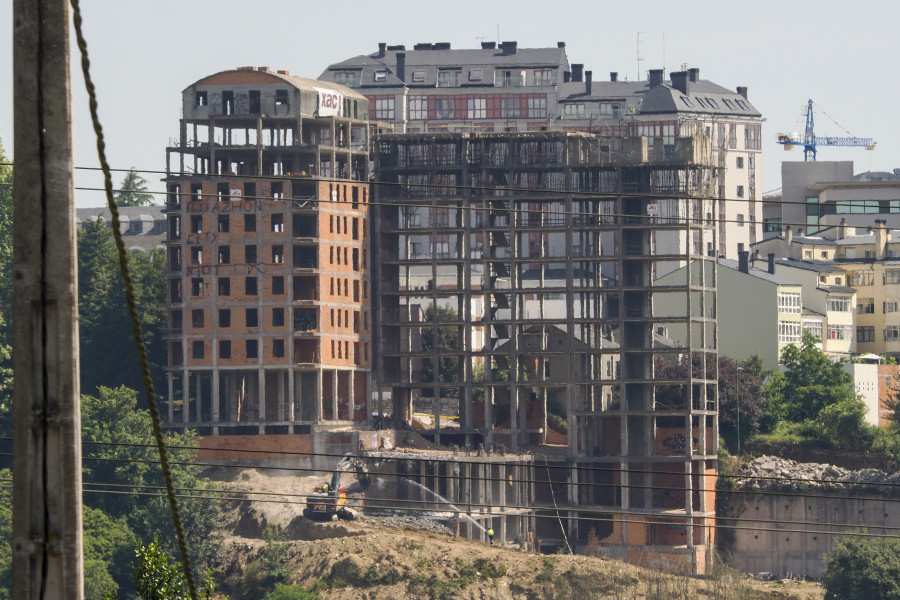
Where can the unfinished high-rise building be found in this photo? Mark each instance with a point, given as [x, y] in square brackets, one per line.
[267, 256]
[517, 309]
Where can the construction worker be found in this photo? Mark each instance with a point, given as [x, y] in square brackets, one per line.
[490, 533]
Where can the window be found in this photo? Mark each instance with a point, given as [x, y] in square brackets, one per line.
[281, 97]
[509, 108]
[742, 104]
[278, 222]
[278, 348]
[196, 224]
[196, 286]
[277, 285]
[476, 108]
[224, 286]
[277, 190]
[418, 108]
[278, 254]
[537, 107]
[729, 104]
[224, 224]
[250, 254]
[224, 349]
[732, 135]
[865, 306]
[712, 103]
[418, 76]
[476, 74]
[384, 108]
[892, 276]
[381, 75]
[838, 304]
[224, 255]
[840, 332]
[443, 108]
[200, 99]
[251, 317]
[543, 77]
[348, 78]
[865, 334]
[687, 102]
[249, 223]
[789, 303]
[277, 317]
[196, 255]
[891, 305]
[252, 348]
[250, 190]
[197, 318]
[892, 333]
[573, 111]
[740, 220]
[197, 350]
[449, 78]
[740, 162]
[753, 137]
[250, 286]
[859, 278]
[224, 317]
[813, 327]
[788, 332]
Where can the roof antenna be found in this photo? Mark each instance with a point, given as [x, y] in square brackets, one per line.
[639, 59]
[498, 34]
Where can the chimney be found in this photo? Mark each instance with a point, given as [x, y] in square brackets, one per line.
[744, 261]
[680, 81]
[488, 45]
[588, 79]
[655, 77]
[509, 48]
[577, 70]
[422, 46]
[788, 240]
[613, 76]
[382, 46]
[560, 44]
[694, 75]
[567, 76]
[401, 66]
[881, 235]
[842, 229]
[742, 91]
[771, 263]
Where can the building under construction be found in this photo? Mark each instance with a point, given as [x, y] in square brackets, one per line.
[515, 299]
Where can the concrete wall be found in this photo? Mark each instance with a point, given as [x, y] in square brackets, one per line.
[784, 534]
[796, 177]
[865, 384]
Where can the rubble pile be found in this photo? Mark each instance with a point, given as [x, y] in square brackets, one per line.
[771, 473]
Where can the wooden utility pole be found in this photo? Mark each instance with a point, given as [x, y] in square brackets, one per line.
[46, 544]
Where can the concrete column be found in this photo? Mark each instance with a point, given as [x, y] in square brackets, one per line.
[351, 387]
[170, 380]
[261, 393]
[292, 397]
[502, 472]
[319, 412]
[280, 399]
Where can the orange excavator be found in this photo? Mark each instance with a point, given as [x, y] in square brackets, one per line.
[329, 500]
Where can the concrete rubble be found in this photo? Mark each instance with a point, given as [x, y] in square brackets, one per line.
[771, 473]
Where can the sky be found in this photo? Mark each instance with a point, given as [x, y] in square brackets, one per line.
[144, 54]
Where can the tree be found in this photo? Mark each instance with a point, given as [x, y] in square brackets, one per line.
[158, 577]
[844, 425]
[811, 381]
[6, 245]
[107, 348]
[120, 449]
[741, 399]
[858, 567]
[133, 191]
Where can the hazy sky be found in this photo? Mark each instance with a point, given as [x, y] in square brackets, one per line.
[143, 54]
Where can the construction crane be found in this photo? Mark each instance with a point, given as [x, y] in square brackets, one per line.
[809, 141]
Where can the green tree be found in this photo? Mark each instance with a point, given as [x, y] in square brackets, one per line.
[844, 425]
[120, 449]
[108, 353]
[108, 547]
[811, 381]
[158, 577]
[858, 567]
[133, 191]
[6, 246]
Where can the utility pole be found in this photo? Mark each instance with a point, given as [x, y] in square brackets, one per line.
[46, 542]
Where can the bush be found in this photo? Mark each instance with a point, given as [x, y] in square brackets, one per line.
[859, 567]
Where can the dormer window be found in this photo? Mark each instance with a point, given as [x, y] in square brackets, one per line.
[449, 78]
[348, 78]
[476, 74]
[712, 103]
[729, 103]
[381, 75]
[418, 76]
[687, 102]
[743, 105]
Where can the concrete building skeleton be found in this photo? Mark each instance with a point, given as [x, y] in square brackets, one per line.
[267, 256]
[576, 386]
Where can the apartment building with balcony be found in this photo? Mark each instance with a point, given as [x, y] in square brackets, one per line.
[269, 304]
[503, 87]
